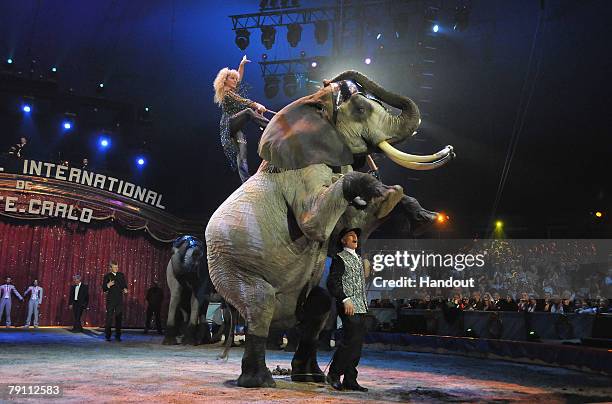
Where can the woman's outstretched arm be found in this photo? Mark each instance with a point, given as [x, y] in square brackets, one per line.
[241, 67]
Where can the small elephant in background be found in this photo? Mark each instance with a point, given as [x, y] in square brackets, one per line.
[190, 292]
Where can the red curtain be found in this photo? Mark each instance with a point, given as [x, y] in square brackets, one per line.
[53, 251]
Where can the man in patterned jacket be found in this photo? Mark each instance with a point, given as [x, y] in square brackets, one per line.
[346, 282]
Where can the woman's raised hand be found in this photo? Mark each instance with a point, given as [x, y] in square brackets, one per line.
[244, 60]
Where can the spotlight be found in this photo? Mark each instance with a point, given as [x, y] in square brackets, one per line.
[242, 38]
[321, 31]
[442, 218]
[470, 333]
[314, 64]
[54, 69]
[100, 88]
[26, 108]
[367, 61]
[67, 125]
[290, 84]
[104, 142]
[294, 34]
[533, 336]
[264, 56]
[378, 36]
[140, 161]
[435, 28]
[9, 61]
[146, 109]
[268, 36]
[499, 224]
[599, 214]
[271, 86]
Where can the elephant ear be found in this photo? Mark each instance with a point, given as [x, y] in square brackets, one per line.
[301, 134]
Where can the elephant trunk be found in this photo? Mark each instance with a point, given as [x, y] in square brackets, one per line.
[399, 126]
[177, 258]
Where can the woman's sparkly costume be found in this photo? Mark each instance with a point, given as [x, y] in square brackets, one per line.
[236, 112]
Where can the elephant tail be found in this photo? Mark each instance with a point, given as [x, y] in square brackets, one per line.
[229, 340]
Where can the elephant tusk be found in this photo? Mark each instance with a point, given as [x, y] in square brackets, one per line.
[398, 157]
[395, 154]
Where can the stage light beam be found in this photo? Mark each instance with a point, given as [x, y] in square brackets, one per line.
[27, 109]
[140, 161]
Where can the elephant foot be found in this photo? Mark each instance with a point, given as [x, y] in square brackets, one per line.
[391, 198]
[190, 336]
[255, 373]
[304, 366]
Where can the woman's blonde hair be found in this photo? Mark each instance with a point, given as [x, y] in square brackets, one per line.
[219, 83]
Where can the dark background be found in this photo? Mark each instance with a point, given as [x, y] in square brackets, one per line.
[534, 74]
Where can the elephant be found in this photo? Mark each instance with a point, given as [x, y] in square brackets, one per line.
[267, 242]
[191, 292]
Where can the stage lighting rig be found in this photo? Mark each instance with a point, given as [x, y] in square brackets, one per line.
[290, 84]
[268, 36]
[294, 34]
[321, 32]
[271, 86]
[242, 38]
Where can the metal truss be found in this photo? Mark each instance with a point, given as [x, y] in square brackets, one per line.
[283, 17]
[289, 66]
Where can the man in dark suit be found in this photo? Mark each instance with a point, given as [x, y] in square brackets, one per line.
[346, 282]
[114, 286]
[155, 296]
[79, 300]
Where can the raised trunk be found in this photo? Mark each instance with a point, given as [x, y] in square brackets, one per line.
[400, 126]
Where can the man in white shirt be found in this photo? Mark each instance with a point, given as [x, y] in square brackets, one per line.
[79, 299]
[36, 295]
[6, 292]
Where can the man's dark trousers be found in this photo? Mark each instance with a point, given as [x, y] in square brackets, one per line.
[113, 311]
[346, 358]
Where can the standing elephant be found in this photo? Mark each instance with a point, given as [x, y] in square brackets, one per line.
[190, 291]
[268, 241]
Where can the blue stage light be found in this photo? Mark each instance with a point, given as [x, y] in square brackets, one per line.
[436, 28]
[67, 125]
[140, 161]
[26, 108]
[104, 142]
[9, 61]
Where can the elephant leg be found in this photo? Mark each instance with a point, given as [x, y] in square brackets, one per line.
[171, 329]
[190, 337]
[304, 366]
[255, 373]
[259, 313]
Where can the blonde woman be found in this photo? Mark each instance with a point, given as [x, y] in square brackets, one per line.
[237, 111]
